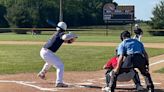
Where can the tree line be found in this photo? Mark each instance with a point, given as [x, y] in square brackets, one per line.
[34, 13]
[157, 21]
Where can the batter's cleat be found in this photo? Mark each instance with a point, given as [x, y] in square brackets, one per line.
[42, 76]
[61, 85]
[106, 89]
[139, 88]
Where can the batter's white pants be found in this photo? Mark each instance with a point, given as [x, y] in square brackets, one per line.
[52, 60]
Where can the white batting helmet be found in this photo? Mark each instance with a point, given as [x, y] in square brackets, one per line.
[61, 26]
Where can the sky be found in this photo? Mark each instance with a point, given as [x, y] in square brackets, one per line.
[143, 8]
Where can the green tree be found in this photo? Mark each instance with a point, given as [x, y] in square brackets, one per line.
[83, 12]
[30, 13]
[92, 10]
[3, 21]
[157, 21]
[72, 12]
[108, 1]
[17, 13]
[34, 13]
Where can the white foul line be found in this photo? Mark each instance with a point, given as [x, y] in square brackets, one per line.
[30, 85]
[27, 83]
[161, 61]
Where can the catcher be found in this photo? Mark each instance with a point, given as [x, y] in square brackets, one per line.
[48, 50]
[122, 77]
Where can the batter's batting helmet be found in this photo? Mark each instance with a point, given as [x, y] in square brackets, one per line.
[61, 26]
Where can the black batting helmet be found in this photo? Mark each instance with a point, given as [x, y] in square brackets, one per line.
[125, 34]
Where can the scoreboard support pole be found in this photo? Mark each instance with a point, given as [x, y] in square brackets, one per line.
[131, 29]
[107, 29]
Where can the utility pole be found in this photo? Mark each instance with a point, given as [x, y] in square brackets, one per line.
[61, 11]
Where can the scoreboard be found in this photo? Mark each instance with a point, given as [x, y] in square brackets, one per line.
[119, 14]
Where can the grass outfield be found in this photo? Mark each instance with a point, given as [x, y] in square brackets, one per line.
[23, 58]
[160, 71]
[82, 38]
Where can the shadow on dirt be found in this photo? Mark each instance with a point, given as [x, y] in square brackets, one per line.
[91, 86]
[159, 90]
[123, 89]
[133, 90]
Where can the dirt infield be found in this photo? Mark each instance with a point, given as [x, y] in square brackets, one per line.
[78, 81]
[148, 45]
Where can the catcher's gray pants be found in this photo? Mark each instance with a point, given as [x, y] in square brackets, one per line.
[52, 60]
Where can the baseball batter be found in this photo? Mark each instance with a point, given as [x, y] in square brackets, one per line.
[48, 50]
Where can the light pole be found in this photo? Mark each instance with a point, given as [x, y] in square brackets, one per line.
[61, 11]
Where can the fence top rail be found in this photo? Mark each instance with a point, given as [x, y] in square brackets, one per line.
[49, 29]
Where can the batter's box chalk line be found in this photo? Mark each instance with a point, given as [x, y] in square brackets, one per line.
[32, 84]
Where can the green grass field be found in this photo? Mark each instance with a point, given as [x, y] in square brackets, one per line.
[160, 71]
[23, 58]
[82, 38]
[26, 58]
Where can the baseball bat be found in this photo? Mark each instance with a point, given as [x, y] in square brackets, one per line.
[51, 23]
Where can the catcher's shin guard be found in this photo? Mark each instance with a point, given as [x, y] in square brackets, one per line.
[113, 79]
[107, 76]
[107, 79]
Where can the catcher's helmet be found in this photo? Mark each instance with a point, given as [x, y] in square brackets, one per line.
[61, 26]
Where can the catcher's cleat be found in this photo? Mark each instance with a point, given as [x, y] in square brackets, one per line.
[139, 88]
[61, 85]
[41, 75]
